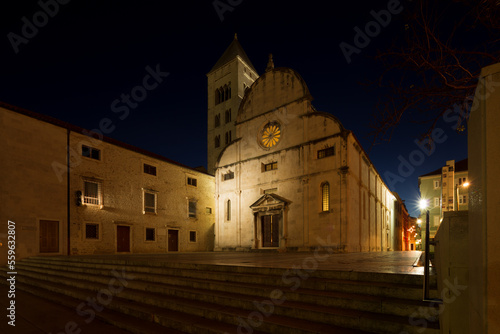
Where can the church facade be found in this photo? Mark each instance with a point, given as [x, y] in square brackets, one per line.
[293, 178]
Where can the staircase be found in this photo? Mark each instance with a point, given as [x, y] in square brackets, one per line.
[153, 297]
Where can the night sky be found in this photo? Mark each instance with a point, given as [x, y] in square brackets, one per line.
[90, 53]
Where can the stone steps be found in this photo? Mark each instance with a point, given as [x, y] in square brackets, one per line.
[232, 299]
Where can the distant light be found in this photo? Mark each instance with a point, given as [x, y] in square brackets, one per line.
[419, 221]
[423, 204]
[466, 184]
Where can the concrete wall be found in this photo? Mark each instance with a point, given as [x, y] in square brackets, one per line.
[484, 206]
[451, 258]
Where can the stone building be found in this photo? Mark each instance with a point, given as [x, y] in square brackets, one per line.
[445, 189]
[69, 193]
[294, 178]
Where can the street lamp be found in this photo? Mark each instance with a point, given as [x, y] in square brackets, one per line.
[457, 187]
[424, 204]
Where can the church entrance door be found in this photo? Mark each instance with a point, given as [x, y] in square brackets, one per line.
[270, 230]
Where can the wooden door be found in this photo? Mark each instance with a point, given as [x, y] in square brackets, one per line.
[270, 231]
[123, 238]
[49, 236]
[173, 240]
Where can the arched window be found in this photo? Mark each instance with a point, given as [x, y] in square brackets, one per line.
[228, 116]
[217, 96]
[228, 210]
[225, 97]
[325, 197]
[217, 120]
[217, 141]
[229, 91]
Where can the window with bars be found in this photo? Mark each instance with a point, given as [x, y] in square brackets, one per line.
[325, 197]
[148, 169]
[91, 231]
[92, 193]
[192, 236]
[150, 234]
[327, 152]
[192, 209]
[149, 202]
[91, 152]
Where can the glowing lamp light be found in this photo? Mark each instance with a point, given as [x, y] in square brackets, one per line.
[423, 204]
[466, 184]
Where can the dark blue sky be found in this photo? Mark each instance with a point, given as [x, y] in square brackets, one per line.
[90, 53]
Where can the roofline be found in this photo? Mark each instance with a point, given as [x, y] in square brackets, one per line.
[80, 130]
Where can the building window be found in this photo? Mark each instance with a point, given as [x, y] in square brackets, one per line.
[436, 184]
[91, 152]
[150, 234]
[217, 120]
[436, 201]
[148, 169]
[325, 197]
[462, 199]
[218, 96]
[192, 209]
[228, 116]
[462, 180]
[208, 210]
[228, 137]
[270, 166]
[326, 152]
[217, 141]
[436, 221]
[91, 231]
[192, 181]
[192, 236]
[229, 176]
[92, 193]
[149, 202]
[228, 210]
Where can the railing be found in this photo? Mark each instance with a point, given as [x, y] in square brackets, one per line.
[427, 262]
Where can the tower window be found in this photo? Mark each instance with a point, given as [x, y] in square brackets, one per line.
[325, 197]
[217, 141]
[228, 116]
[217, 96]
[217, 121]
[228, 137]
[270, 166]
[226, 96]
[228, 210]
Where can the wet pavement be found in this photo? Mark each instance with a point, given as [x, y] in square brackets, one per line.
[381, 262]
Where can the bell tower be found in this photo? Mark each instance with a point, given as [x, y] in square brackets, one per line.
[227, 81]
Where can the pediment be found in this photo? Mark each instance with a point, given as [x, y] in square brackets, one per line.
[270, 201]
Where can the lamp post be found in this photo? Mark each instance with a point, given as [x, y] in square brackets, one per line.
[458, 186]
[423, 206]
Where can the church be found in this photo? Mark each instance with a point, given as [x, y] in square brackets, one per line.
[282, 176]
[288, 177]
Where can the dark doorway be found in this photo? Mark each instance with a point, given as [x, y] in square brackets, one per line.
[173, 240]
[49, 236]
[123, 238]
[270, 231]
